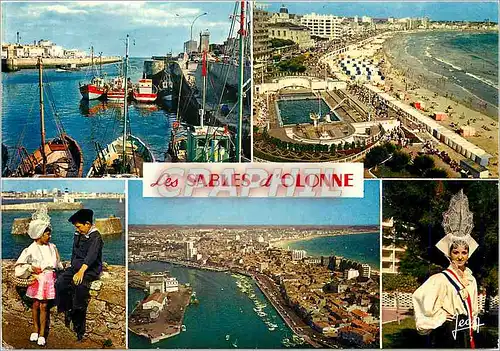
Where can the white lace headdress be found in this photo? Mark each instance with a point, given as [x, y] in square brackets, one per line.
[458, 225]
[40, 221]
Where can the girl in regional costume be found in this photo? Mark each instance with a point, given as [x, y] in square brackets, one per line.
[40, 259]
[446, 305]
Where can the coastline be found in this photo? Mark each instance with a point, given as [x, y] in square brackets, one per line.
[408, 79]
[270, 292]
[283, 243]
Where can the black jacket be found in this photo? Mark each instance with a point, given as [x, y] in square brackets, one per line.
[87, 249]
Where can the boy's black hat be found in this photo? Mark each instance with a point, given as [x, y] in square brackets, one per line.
[82, 216]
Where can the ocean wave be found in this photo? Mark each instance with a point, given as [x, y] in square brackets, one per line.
[484, 80]
[458, 68]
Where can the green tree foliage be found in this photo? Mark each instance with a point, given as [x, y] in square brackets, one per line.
[435, 173]
[399, 282]
[422, 163]
[277, 43]
[399, 161]
[375, 156]
[294, 64]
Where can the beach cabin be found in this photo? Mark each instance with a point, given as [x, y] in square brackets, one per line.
[467, 131]
[440, 116]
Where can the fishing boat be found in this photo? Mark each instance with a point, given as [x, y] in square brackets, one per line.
[145, 91]
[69, 68]
[116, 91]
[183, 328]
[125, 156]
[211, 143]
[227, 337]
[57, 157]
[97, 87]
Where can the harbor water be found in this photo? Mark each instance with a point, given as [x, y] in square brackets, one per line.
[86, 121]
[225, 316]
[362, 248]
[63, 231]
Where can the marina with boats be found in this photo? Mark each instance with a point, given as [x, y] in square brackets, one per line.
[194, 108]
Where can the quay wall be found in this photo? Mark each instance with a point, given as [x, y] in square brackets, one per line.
[13, 64]
[106, 226]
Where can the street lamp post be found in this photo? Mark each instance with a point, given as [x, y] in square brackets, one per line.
[192, 24]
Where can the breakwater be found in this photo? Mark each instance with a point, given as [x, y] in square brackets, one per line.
[15, 64]
[51, 206]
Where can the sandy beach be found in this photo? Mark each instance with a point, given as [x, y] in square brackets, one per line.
[283, 244]
[412, 88]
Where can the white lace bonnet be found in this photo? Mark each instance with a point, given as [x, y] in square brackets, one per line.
[457, 224]
[40, 221]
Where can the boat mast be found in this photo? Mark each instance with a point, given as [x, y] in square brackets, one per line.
[92, 59]
[242, 33]
[42, 119]
[125, 107]
[204, 74]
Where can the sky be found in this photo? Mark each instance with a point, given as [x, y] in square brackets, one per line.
[437, 10]
[83, 185]
[254, 211]
[155, 27]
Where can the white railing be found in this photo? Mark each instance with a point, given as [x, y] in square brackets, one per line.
[404, 301]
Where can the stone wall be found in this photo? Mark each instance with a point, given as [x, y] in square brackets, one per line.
[106, 314]
[105, 226]
[111, 225]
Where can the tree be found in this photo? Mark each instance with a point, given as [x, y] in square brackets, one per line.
[399, 161]
[422, 163]
[436, 173]
[333, 148]
[390, 147]
[375, 156]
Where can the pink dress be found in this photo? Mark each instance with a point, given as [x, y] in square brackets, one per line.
[45, 257]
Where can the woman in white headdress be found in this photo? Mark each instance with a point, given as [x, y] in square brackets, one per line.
[446, 305]
[40, 259]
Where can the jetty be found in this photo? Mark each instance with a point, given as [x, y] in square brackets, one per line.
[163, 320]
[15, 64]
[51, 206]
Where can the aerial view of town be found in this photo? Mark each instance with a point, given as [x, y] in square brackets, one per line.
[411, 90]
[173, 87]
[272, 278]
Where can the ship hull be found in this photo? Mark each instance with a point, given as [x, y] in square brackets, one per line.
[115, 95]
[64, 159]
[141, 97]
[109, 162]
[91, 92]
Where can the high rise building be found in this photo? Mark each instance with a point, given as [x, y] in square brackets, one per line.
[365, 270]
[204, 41]
[261, 41]
[298, 255]
[351, 273]
[190, 46]
[325, 26]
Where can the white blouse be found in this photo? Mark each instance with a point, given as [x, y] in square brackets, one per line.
[43, 256]
[437, 298]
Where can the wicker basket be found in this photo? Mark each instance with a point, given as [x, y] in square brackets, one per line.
[22, 282]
